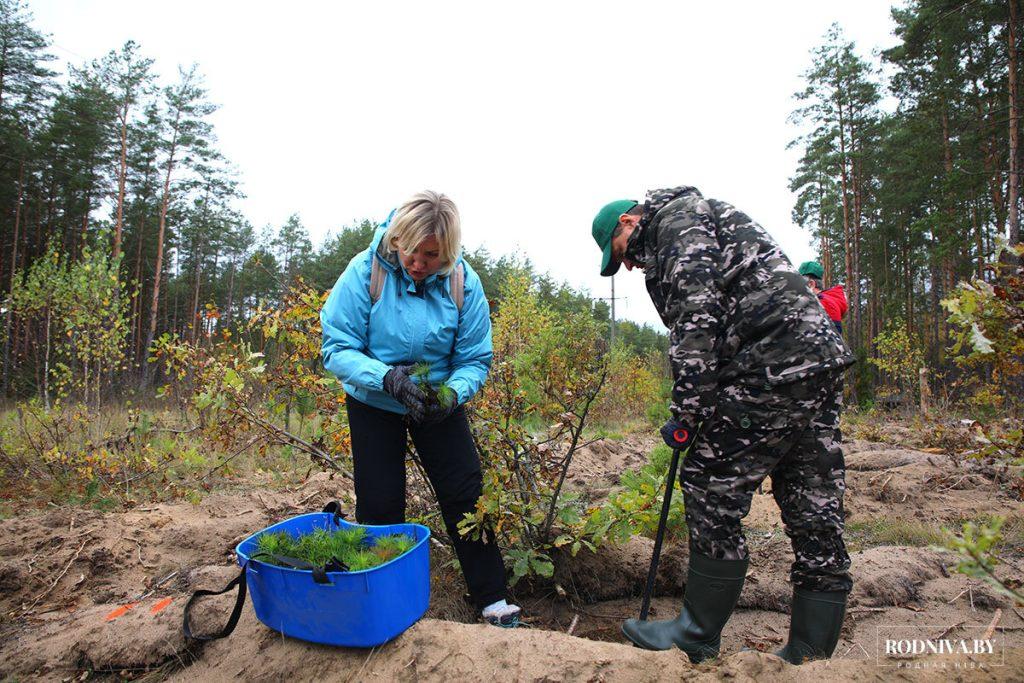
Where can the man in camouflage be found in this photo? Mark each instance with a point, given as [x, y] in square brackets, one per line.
[757, 367]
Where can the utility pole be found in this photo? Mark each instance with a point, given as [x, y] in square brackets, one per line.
[612, 299]
[612, 344]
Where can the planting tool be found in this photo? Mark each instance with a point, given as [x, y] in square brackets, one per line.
[681, 436]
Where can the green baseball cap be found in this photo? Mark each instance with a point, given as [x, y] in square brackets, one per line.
[604, 225]
[812, 269]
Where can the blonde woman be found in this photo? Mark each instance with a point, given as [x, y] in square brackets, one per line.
[410, 298]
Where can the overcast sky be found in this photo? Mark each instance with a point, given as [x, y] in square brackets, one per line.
[530, 115]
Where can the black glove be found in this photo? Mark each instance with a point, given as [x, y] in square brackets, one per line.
[676, 434]
[405, 391]
[437, 412]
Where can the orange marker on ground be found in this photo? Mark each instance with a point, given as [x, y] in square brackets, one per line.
[160, 605]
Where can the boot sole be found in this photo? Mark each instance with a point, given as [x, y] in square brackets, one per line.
[697, 657]
[638, 642]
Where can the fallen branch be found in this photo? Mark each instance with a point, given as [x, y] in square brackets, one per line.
[949, 630]
[365, 662]
[141, 561]
[155, 586]
[572, 624]
[953, 485]
[992, 625]
[307, 499]
[59, 577]
[172, 430]
[284, 437]
[246, 446]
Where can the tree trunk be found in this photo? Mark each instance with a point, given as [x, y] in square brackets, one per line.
[908, 283]
[1013, 220]
[147, 373]
[855, 286]
[231, 295]
[847, 232]
[195, 301]
[8, 319]
[137, 298]
[46, 362]
[122, 172]
[826, 243]
[979, 241]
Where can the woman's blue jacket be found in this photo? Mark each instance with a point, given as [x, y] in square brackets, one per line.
[361, 342]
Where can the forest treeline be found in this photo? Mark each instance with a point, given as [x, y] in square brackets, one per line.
[119, 220]
[107, 170]
[910, 170]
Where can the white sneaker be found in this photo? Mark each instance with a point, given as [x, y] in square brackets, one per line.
[503, 615]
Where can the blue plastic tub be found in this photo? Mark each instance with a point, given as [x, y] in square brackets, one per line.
[356, 609]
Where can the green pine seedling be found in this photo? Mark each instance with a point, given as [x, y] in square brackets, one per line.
[421, 372]
[316, 547]
[343, 540]
[388, 548]
[351, 546]
[362, 559]
[443, 395]
[276, 543]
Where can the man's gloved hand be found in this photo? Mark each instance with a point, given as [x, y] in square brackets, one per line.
[676, 434]
[398, 384]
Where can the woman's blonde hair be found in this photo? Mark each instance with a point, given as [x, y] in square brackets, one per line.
[424, 214]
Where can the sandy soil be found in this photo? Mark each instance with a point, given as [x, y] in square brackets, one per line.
[64, 571]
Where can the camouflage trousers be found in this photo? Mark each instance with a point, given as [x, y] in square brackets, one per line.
[786, 431]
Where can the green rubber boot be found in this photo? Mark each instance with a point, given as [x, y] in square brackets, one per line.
[712, 589]
[814, 625]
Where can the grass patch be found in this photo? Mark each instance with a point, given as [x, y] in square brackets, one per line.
[616, 430]
[1013, 533]
[885, 531]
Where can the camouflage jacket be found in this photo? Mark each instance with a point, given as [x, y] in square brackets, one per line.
[736, 309]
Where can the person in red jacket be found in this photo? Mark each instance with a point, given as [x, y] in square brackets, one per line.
[833, 299]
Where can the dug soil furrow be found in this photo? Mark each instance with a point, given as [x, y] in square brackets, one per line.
[87, 591]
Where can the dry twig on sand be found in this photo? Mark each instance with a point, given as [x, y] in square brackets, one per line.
[992, 625]
[59, 577]
[949, 630]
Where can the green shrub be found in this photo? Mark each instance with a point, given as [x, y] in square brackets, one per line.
[636, 509]
[658, 414]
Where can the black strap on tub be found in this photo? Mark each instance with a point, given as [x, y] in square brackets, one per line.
[334, 508]
[236, 612]
[319, 572]
[319, 576]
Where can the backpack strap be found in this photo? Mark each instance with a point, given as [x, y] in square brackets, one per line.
[377, 277]
[458, 285]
